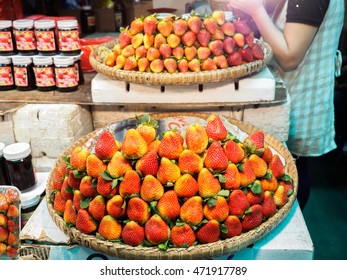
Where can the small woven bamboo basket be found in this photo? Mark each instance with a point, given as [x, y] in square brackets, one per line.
[188, 78]
[203, 251]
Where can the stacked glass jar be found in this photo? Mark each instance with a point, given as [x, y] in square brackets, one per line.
[41, 54]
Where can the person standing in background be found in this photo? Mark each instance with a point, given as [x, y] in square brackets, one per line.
[304, 37]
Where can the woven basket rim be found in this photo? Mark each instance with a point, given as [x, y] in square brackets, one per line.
[201, 251]
[188, 78]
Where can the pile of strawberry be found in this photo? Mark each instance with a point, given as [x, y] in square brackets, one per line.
[174, 44]
[179, 191]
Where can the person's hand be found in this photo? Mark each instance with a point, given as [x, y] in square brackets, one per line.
[250, 7]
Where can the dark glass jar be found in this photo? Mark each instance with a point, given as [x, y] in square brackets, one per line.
[4, 177]
[44, 73]
[7, 42]
[24, 75]
[65, 73]
[68, 37]
[46, 37]
[20, 166]
[87, 19]
[23, 31]
[79, 71]
[6, 74]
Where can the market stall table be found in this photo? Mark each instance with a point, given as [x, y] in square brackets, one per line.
[42, 239]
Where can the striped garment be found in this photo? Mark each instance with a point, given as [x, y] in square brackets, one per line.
[311, 88]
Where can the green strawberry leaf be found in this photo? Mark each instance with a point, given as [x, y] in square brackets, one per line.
[84, 203]
[78, 174]
[223, 228]
[212, 201]
[153, 206]
[224, 193]
[249, 210]
[240, 167]
[221, 178]
[106, 176]
[69, 189]
[285, 177]
[256, 187]
[180, 223]
[268, 174]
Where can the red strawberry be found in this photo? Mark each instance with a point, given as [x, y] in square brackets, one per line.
[106, 188]
[215, 128]
[229, 45]
[165, 27]
[186, 186]
[238, 203]
[246, 54]
[194, 23]
[233, 225]
[105, 146]
[171, 145]
[232, 177]
[269, 206]
[136, 26]
[255, 198]
[234, 151]
[247, 175]
[216, 47]
[70, 213]
[208, 232]
[168, 172]
[138, 210]
[219, 211]
[253, 217]
[258, 164]
[151, 189]
[97, 207]
[133, 234]
[150, 24]
[257, 51]
[182, 235]
[78, 158]
[234, 59]
[196, 138]
[215, 158]
[115, 206]
[66, 191]
[209, 186]
[95, 166]
[192, 211]
[267, 155]
[168, 206]
[242, 27]
[288, 186]
[77, 198]
[156, 230]
[180, 26]
[183, 65]
[208, 64]
[133, 145]
[276, 166]
[87, 188]
[228, 28]
[189, 38]
[110, 228]
[130, 185]
[204, 37]
[165, 50]
[190, 162]
[254, 143]
[73, 181]
[210, 24]
[124, 38]
[84, 222]
[59, 203]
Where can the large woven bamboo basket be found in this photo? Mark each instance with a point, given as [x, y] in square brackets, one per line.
[188, 78]
[203, 251]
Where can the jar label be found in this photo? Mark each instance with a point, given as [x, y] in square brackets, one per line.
[44, 76]
[6, 43]
[6, 78]
[91, 21]
[66, 77]
[25, 40]
[69, 40]
[77, 71]
[20, 76]
[45, 40]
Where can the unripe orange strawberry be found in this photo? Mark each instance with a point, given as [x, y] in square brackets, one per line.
[276, 166]
[3, 248]
[106, 188]
[97, 207]
[78, 158]
[192, 211]
[269, 206]
[215, 158]
[253, 217]
[238, 203]
[148, 164]
[196, 138]
[138, 210]
[85, 222]
[232, 177]
[247, 175]
[131, 184]
[77, 197]
[171, 145]
[70, 213]
[115, 206]
[288, 186]
[154, 145]
[209, 185]
[95, 166]
[133, 234]
[110, 228]
[182, 235]
[219, 211]
[133, 145]
[269, 184]
[168, 206]
[280, 196]
[59, 203]
[255, 198]
[258, 164]
[118, 165]
[87, 188]
[12, 211]
[3, 220]
[168, 172]
[233, 225]
[190, 162]
[186, 186]
[105, 146]
[147, 131]
[215, 128]
[151, 189]
[156, 230]
[208, 232]
[234, 151]
[3, 202]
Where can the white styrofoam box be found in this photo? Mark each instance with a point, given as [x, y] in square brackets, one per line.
[259, 86]
[273, 118]
[6, 129]
[289, 240]
[51, 128]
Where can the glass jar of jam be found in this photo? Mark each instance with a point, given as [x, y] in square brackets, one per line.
[6, 74]
[4, 177]
[68, 37]
[23, 30]
[7, 42]
[20, 166]
[44, 73]
[24, 76]
[79, 71]
[65, 73]
[45, 37]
